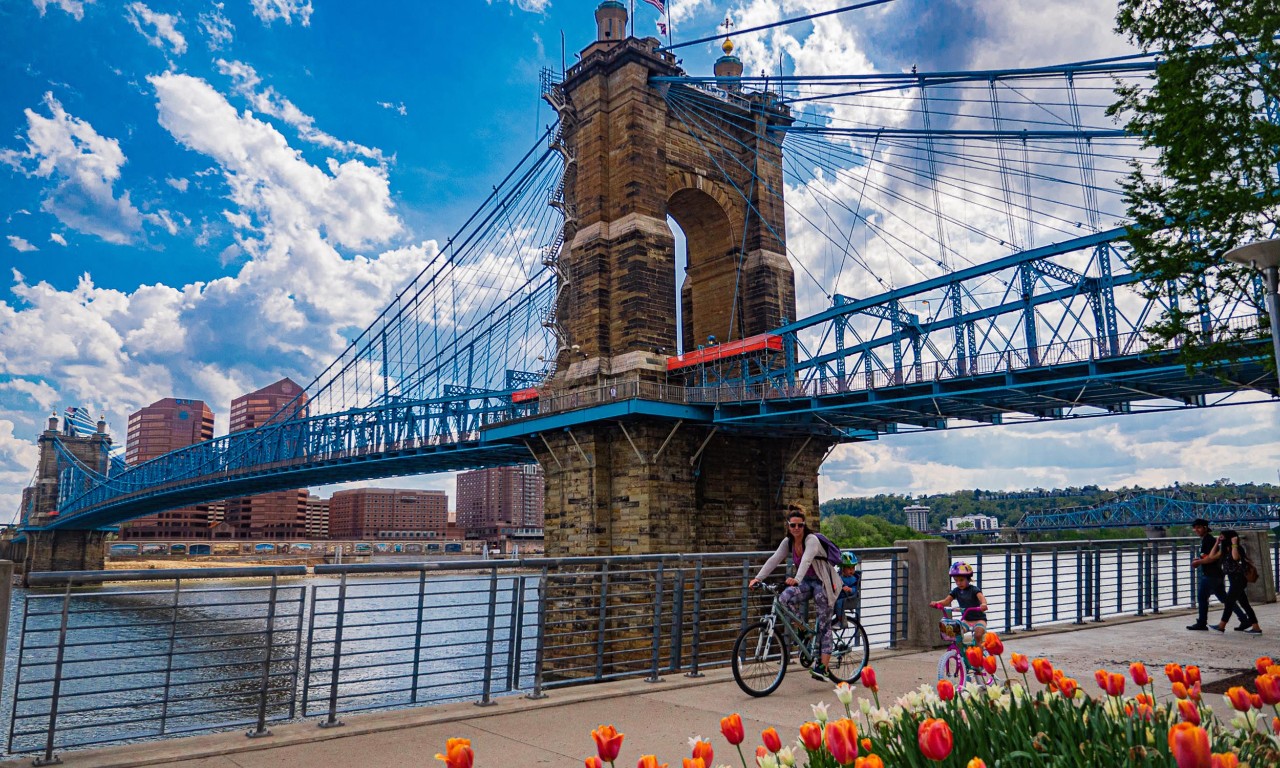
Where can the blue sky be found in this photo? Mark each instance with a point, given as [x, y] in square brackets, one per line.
[200, 197]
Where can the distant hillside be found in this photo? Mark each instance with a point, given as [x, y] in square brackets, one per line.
[1009, 507]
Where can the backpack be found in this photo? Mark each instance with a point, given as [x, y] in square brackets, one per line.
[833, 552]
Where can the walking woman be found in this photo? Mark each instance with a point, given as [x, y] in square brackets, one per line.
[1235, 561]
[815, 579]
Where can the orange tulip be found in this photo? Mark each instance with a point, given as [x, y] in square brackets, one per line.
[702, 750]
[1193, 674]
[869, 680]
[946, 690]
[593, 762]
[1175, 673]
[608, 742]
[771, 740]
[866, 745]
[1189, 712]
[1101, 676]
[1189, 745]
[1194, 693]
[811, 736]
[761, 754]
[1268, 687]
[934, 738]
[1145, 698]
[693, 762]
[989, 664]
[1115, 684]
[842, 740]
[870, 761]
[992, 644]
[1262, 663]
[976, 762]
[1068, 687]
[1255, 700]
[1275, 725]
[1020, 663]
[973, 654]
[1240, 699]
[1180, 690]
[457, 754]
[731, 729]
[1224, 760]
[1044, 671]
[649, 761]
[1138, 671]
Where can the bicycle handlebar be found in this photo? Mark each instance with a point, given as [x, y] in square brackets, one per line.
[948, 610]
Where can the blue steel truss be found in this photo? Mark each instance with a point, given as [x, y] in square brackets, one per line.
[1147, 510]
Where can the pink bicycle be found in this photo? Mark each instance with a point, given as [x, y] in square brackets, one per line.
[954, 664]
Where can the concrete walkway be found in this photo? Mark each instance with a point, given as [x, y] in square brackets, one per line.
[660, 717]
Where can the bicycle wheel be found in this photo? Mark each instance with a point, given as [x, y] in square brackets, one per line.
[951, 667]
[760, 659]
[851, 649]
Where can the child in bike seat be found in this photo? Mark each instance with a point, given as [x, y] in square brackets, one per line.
[849, 580]
[967, 595]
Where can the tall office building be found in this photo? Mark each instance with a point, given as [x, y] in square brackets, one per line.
[280, 514]
[500, 497]
[317, 517]
[167, 425]
[388, 513]
[917, 517]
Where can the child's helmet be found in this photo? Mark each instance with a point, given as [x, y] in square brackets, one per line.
[961, 568]
[848, 560]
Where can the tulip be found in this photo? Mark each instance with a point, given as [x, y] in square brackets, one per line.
[844, 692]
[1262, 664]
[702, 749]
[866, 744]
[593, 762]
[1020, 663]
[761, 754]
[1138, 671]
[1180, 690]
[820, 711]
[1115, 684]
[989, 664]
[731, 729]
[608, 742]
[1255, 700]
[1224, 760]
[1189, 745]
[771, 740]
[457, 754]
[1239, 699]
[1044, 671]
[934, 738]
[946, 690]
[1194, 693]
[649, 761]
[1101, 676]
[992, 644]
[842, 740]
[811, 736]
[1068, 687]
[1268, 687]
[693, 762]
[786, 757]
[1189, 712]
[973, 654]
[1175, 673]
[869, 680]
[870, 761]
[1146, 713]
[976, 762]
[1193, 674]
[1145, 698]
[1275, 725]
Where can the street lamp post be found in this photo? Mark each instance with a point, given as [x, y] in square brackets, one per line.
[1265, 257]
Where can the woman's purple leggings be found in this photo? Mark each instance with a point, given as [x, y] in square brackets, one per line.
[795, 597]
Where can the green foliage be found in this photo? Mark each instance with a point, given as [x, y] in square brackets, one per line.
[865, 532]
[1214, 184]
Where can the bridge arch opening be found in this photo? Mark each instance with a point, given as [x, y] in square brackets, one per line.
[710, 303]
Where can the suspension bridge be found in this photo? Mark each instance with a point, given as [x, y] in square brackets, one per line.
[864, 255]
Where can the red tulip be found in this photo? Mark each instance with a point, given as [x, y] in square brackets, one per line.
[1175, 673]
[1115, 684]
[1189, 712]
[1194, 693]
[1275, 725]
[870, 761]
[989, 664]
[1138, 671]
[934, 737]
[1101, 676]
[457, 754]
[869, 680]
[731, 729]
[761, 754]
[1262, 663]
[976, 762]
[1224, 760]
[1255, 700]
[1193, 674]
[1268, 687]
[973, 654]
[1044, 671]
[593, 762]
[1189, 745]
[649, 761]
[1068, 687]
[811, 736]
[771, 740]
[1239, 699]
[1020, 663]
[702, 750]
[1145, 698]
[608, 742]
[946, 690]
[693, 762]
[842, 740]
[992, 644]
[866, 745]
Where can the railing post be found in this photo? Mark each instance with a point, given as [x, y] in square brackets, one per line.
[604, 602]
[1173, 570]
[677, 622]
[515, 648]
[332, 720]
[539, 644]
[1154, 568]
[6, 595]
[49, 758]
[487, 685]
[268, 649]
[746, 579]
[657, 626]
[1142, 580]
[1053, 591]
[1028, 589]
[894, 607]
[417, 637]
[1097, 584]
[1012, 604]
[1080, 582]
[926, 565]
[694, 651]
[168, 656]
[1119, 578]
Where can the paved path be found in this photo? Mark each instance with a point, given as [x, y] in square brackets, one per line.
[659, 718]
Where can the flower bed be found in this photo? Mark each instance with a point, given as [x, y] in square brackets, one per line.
[1002, 726]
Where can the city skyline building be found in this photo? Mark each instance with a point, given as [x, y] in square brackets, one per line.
[492, 500]
[317, 517]
[388, 513]
[167, 425]
[917, 517]
[279, 514]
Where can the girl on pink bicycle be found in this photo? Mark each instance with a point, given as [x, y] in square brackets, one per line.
[972, 603]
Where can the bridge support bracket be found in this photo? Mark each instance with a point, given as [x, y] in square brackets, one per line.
[627, 435]
[670, 435]
[694, 458]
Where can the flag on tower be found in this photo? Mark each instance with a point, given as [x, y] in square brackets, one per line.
[661, 6]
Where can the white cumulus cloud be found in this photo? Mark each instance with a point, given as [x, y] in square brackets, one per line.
[160, 29]
[218, 29]
[73, 7]
[21, 244]
[57, 238]
[284, 10]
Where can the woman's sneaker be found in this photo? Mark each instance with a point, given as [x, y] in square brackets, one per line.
[819, 672]
[1252, 631]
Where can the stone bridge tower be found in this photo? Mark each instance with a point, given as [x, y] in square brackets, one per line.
[663, 483]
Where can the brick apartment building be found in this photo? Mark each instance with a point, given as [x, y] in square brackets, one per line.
[279, 514]
[167, 425]
[491, 501]
[388, 513]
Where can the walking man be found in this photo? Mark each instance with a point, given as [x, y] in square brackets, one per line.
[1212, 579]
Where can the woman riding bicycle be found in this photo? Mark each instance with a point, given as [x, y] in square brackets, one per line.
[815, 578]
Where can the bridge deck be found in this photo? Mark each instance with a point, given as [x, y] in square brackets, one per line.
[659, 718]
